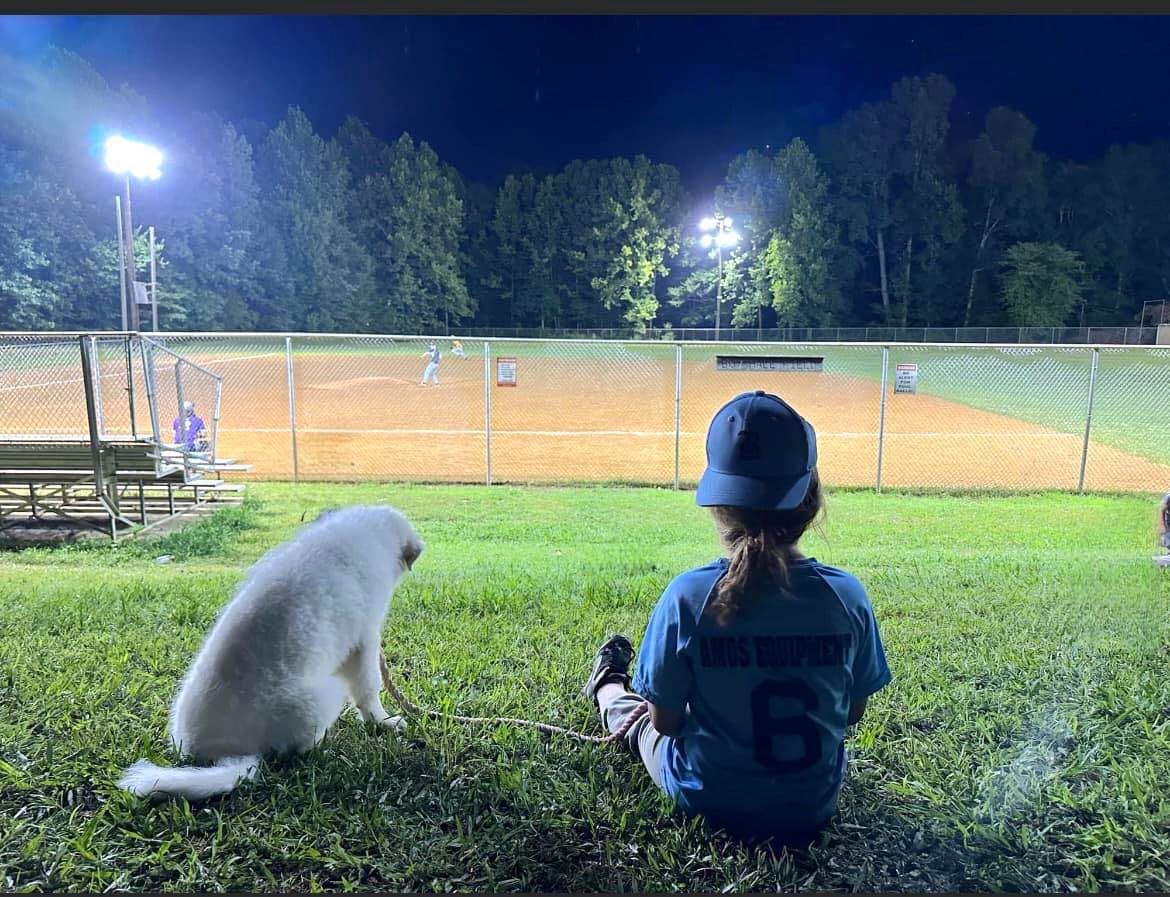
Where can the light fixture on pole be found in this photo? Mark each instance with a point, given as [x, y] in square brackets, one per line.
[717, 231]
[144, 162]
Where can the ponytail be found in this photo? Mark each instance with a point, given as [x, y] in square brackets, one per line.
[761, 546]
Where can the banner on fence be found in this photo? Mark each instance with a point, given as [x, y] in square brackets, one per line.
[781, 363]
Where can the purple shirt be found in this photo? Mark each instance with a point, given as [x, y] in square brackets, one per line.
[194, 431]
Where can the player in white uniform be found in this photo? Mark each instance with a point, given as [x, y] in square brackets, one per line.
[432, 372]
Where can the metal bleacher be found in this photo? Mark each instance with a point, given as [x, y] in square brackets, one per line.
[113, 482]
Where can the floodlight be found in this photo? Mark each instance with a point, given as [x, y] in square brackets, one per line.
[129, 157]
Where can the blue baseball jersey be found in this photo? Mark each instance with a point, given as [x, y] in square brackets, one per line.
[766, 697]
[434, 355]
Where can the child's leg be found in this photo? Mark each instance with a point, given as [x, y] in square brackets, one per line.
[642, 739]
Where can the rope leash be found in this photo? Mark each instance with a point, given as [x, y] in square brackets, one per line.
[412, 710]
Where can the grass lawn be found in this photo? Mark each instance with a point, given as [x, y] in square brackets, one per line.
[1024, 744]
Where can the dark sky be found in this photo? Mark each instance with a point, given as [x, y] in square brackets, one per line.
[497, 93]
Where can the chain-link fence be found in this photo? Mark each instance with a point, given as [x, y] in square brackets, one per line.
[42, 390]
[923, 415]
[1146, 334]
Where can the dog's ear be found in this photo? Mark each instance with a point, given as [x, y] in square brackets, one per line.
[410, 552]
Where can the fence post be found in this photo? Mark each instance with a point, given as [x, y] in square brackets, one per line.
[146, 353]
[1088, 420]
[97, 385]
[487, 413]
[292, 406]
[179, 397]
[130, 381]
[882, 418]
[95, 442]
[215, 418]
[677, 410]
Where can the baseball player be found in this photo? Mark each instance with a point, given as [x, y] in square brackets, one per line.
[457, 348]
[432, 372]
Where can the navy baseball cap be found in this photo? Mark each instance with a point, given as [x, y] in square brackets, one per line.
[760, 455]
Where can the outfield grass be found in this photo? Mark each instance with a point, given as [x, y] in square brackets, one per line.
[1024, 744]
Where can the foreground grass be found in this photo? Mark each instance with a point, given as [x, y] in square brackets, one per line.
[1024, 744]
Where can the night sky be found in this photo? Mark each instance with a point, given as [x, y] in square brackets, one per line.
[497, 94]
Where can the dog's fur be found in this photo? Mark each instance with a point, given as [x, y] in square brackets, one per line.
[300, 636]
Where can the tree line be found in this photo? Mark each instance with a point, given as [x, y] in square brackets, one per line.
[884, 218]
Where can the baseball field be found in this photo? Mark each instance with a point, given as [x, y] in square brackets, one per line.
[1006, 418]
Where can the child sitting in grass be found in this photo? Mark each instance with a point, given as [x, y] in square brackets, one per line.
[753, 666]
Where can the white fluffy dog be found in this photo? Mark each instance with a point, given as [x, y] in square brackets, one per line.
[301, 635]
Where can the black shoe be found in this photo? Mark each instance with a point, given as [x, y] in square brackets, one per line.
[612, 664]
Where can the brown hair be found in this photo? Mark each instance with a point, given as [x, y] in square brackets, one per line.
[761, 545]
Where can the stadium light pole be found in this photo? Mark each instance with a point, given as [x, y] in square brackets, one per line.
[718, 230]
[130, 158]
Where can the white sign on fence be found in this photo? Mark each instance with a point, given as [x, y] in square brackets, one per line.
[906, 377]
[505, 372]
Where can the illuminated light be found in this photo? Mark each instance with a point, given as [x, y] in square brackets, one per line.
[706, 241]
[727, 239]
[707, 224]
[140, 160]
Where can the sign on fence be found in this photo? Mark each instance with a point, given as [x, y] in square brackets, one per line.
[906, 377]
[505, 372]
[783, 363]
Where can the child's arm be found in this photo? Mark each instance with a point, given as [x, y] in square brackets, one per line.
[857, 711]
[664, 676]
[668, 722]
[871, 673]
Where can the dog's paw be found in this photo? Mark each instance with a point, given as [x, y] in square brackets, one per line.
[394, 723]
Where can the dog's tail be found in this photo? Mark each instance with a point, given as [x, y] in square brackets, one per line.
[191, 782]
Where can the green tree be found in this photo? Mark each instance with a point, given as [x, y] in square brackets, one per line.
[642, 233]
[47, 275]
[696, 294]
[1127, 195]
[405, 206]
[797, 264]
[1041, 283]
[212, 228]
[927, 211]
[1006, 180]
[541, 242]
[861, 153]
[758, 196]
[511, 226]
[312, 260]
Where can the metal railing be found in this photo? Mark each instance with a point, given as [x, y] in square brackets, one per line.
[1121, 335]
[353, 407]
